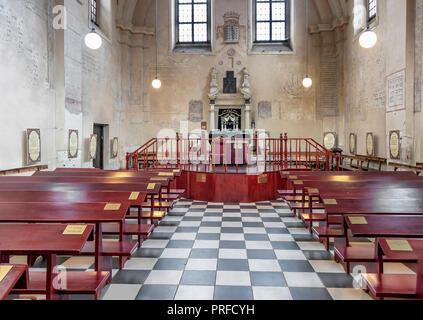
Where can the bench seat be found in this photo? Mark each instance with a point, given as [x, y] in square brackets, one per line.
[328, 232]
[391, 285]
[111, 248]
[130, 229]
[77, 282]
[16, 277]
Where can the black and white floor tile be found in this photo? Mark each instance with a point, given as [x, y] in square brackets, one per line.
[219, 251]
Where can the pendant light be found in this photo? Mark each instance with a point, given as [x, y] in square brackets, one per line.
[93, 40]
[307, 82]
[156, 82]
[368, 38]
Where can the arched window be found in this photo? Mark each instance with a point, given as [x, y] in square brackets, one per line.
[93, 11]
[193, 22]
[371, 9]
[271, 21]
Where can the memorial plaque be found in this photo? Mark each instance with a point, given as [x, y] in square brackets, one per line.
[151, 186]
[395, 91]
[166, 174]
[370, 149]
[394, 144]
[353, 143]
[115, 147]
[158, 179]
[112, 206]
[75, 230]
[298, 182]
[229, 83]
[313, 190]
[399, 245]
[134, 196]
[4, 270]
[330, 201]
[73, 144]
[329, 140]
[33, 146]
[358, 220]
[93, 147]
[201, 177]
[262, 179]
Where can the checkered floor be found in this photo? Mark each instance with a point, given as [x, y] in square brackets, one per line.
[229, 252]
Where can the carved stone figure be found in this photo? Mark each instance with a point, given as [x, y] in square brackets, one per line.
[245, 88]
[214, 86]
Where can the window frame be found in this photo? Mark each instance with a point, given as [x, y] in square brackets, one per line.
[193, 43]
[372, 18]
[93, 7]
[287, 21]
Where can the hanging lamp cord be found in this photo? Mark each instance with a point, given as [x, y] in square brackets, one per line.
[155, 35]
[307, 40]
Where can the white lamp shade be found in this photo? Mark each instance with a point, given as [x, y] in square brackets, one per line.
[93, 40]
[368, 39]
[307, 82]
[156, 83]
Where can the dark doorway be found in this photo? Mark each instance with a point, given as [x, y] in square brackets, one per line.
[98, 162]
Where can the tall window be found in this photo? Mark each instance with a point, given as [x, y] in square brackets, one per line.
[93, 11]
[371, 9]
[271, 20]
[193, 21]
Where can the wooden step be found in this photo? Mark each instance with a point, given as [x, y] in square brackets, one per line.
[328, 232]
[286, 192]
[167, 196]
[296, 198]
[16, 277]
[391, 285]
[335, 220]
[355, 254]
[159, 205]
[300, 205]
[314, 217]
[77, 282]
[130, 229]
[176, 191]
[111, 248]
[157, 215]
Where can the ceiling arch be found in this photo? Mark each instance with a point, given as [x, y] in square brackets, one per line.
[140, 13]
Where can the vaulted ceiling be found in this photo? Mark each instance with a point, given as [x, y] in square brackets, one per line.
[137, 13]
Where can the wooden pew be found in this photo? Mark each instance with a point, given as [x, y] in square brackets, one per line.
[140, 230]
[96, 213]
[121, 249]
[415, 169]
[164, 183]
[49, 240]
[12, 276]
[398, 227]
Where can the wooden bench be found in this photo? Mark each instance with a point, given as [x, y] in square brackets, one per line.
[23, 170]
[399, 228]
[49, 240]
[417, 170]
[12, 276]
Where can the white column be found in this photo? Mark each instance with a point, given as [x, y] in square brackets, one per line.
[247, 116]
[212, 118]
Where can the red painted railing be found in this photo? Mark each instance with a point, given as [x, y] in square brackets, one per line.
[204, 154]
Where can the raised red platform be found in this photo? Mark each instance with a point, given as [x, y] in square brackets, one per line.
[244, 184]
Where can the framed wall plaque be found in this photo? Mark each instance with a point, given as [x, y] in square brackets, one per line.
[329, 140]
[115, 147]
[73, 144]
[353, 143]
[33, 146]
[395, 144]
[395, 87]
[93, 147]
[370, 144]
